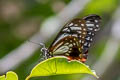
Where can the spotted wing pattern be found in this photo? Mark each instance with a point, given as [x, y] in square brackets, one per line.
[93, 25]
[75, 37]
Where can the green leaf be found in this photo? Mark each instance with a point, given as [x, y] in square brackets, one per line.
[2, 77]
[59, 65]
[9, 76]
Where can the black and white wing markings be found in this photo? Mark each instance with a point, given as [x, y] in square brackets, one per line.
[75, 37]
[92, 24]
[65, 46]
[73, 34]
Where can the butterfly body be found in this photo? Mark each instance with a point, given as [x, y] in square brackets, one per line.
[73, 41]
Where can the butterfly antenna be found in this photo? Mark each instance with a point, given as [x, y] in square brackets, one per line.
[43, 49]
[40, 44]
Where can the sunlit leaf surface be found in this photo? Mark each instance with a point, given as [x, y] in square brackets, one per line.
[59, 65]
[9, 76]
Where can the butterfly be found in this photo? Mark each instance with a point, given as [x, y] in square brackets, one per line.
[73, 40]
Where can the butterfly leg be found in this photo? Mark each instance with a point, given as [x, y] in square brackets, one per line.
[44, 51]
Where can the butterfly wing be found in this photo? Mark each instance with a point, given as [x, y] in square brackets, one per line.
[93, 25]
[75, 37]
[69, 38]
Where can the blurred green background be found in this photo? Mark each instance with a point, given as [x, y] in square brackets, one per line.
[21, 19]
